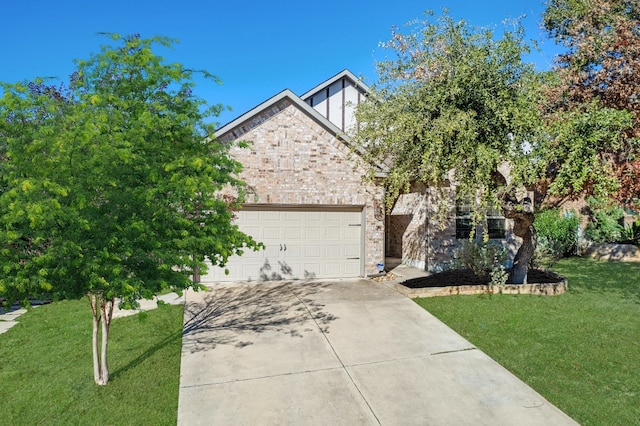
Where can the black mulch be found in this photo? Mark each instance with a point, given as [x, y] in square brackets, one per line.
[457, 277]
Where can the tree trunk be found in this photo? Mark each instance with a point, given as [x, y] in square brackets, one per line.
[102, 310]
[523, 228]
[96, 331]
[521, 211]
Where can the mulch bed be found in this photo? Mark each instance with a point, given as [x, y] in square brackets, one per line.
[459, 277]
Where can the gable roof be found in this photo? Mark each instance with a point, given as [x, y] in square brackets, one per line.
[245, 122]
[342, 74]
[250, 119]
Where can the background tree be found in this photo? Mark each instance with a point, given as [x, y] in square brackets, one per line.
[600, 69]
[454, 104]
[109, 186]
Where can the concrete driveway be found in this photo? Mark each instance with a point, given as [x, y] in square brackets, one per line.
[348, 352]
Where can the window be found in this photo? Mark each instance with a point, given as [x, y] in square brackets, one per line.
[464, 224]
[495, 223]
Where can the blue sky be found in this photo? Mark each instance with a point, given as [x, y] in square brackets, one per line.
[256, 48]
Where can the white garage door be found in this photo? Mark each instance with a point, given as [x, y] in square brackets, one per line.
[299, 244]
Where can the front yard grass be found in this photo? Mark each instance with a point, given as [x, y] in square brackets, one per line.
[580, 350]
[46, 370]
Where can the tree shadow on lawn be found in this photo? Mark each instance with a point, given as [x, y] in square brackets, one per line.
[229, 315]
[603, 277]
[148, 353]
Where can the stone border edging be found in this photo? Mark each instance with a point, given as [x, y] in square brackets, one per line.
[542, 289]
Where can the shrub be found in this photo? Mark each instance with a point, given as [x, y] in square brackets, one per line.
[631, 233]
[557, 235]
[604, 222]
[485, 260]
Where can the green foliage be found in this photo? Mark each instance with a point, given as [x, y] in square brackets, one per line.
[631, 233]
[579, 350]
[111, 184]
[557, 234]
[484, 259]
[595, 96]
[454, 104]
[583, 142]
[498, 276]
[604, 221]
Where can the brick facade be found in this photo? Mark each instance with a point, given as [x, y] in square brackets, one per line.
[295, 160]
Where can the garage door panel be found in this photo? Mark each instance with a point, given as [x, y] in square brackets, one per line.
[319, 244]
[270, 233]
[313, 216]
[293, 251]
[351, 250]
[332, 233]
[265, 215]
[313, 233]
[352, 269]
[292, 232]
[294, 216]
[313, 251]
[250, 255]
[352, 233]
[332, 250]
[249, 215]
[333, 268]
[271, 251]
[254, 231]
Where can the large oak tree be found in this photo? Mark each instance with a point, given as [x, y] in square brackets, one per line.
[109, 186]
[452, 105]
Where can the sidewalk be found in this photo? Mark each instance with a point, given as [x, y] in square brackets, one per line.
[9, 319]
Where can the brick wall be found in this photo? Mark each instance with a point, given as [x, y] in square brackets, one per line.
[293, 160]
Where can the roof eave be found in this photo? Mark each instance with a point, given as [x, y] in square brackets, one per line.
[344, 73]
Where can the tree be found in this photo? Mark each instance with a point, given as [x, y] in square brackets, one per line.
[454, 105]
[110, 185]
[601, 67]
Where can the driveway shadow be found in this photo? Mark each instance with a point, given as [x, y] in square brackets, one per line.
[230, 315]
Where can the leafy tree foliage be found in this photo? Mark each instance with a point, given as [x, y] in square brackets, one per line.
[601, 66]
[109, 186]
[455, 99]
[580, 153]
[453, 105]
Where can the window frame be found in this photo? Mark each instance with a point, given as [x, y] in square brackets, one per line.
[494, 223]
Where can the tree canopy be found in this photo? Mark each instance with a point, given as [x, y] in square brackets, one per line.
[454, 104]
[109, 185]
[600, 70]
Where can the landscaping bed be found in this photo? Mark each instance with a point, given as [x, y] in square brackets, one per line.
[464, 281]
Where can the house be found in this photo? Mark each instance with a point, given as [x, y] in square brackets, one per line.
[308, 202]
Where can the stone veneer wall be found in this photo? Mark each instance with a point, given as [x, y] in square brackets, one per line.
[293, 160]
[407, 229]
[425, 237]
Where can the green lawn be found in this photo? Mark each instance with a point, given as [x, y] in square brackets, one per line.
[46, 372]
[580, 350]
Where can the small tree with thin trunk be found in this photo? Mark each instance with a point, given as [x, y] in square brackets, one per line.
[109, 186]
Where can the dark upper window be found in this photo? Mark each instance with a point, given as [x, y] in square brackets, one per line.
[495, 222]
[464, 224]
